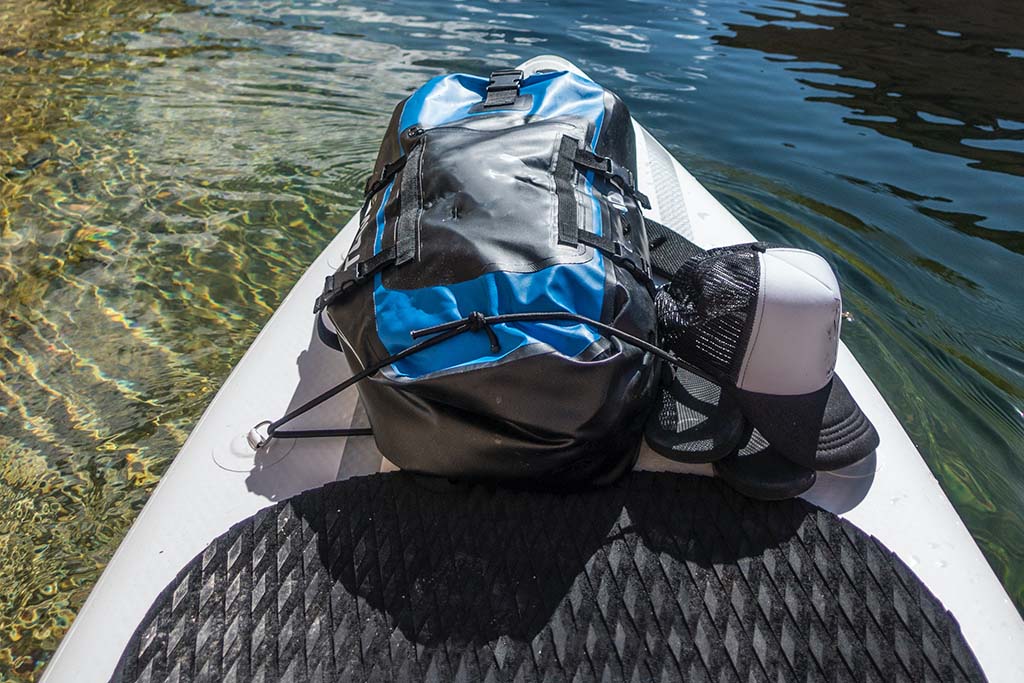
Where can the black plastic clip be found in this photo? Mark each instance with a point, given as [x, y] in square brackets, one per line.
[326, 296]
[618, 174]
[503, 88]
[335, 285]
[623, 177]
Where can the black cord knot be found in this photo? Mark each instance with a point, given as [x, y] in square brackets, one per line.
[477, 321]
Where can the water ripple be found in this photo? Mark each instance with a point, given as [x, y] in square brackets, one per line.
[167, 170]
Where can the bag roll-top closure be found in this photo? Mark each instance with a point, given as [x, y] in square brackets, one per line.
[503, 88]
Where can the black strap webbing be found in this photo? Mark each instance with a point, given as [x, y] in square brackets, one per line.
[602, 242]
[587, 159]
[384, 257]
[565, 192]
[386, 174]
[569, 232]
[503, 88]
[614, 251]
[668, 249]
[407, 238]
[407, 229]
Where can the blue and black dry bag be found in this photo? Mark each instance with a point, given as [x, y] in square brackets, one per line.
[502, 233]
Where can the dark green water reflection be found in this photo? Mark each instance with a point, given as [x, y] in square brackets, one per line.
[168, 169]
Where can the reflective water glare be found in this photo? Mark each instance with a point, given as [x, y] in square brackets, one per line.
[167, 170]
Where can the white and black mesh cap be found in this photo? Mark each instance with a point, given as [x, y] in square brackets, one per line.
[695, 421]
[756, 469]
[764, 321]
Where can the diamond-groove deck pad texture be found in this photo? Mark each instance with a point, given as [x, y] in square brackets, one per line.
[660, 578]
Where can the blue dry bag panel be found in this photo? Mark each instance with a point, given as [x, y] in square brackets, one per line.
[502, 214]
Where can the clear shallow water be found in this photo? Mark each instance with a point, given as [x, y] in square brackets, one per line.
[168, 169]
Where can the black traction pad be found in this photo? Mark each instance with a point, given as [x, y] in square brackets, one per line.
[661, 577]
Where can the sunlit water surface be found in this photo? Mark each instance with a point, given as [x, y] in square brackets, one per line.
[168, 169]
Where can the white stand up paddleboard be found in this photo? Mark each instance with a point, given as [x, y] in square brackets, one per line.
[218, 479]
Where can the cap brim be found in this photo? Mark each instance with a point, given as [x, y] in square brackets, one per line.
[696, 422]
[824, 430]
[756, 470]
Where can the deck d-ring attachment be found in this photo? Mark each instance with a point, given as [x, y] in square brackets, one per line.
[259, 435]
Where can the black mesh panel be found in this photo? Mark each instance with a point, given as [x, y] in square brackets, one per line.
[668, 249]
[706, 311]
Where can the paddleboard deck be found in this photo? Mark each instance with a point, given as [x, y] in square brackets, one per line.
[667, 577]
[217, 481]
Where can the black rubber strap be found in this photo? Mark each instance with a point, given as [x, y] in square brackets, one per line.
[407, 229]
[476, 321]
[565, 191]
[668, 249]
[503, 88]
[318, 433]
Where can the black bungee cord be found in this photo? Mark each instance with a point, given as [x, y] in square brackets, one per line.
[474, 322]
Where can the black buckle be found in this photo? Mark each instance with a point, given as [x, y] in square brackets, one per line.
[332, 290]
[326, 296]
[626, 182]
[506, 79]
[373, 186]
[622, 174]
